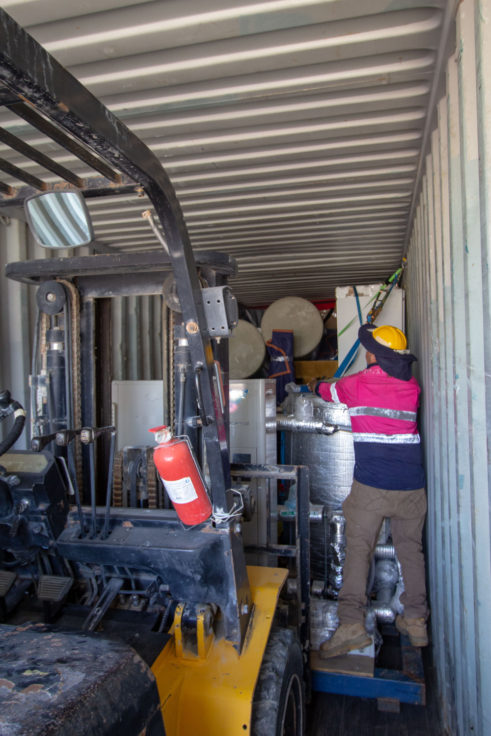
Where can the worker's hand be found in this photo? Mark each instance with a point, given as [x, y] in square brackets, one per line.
[312, 385]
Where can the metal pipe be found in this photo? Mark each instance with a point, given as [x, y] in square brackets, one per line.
[385, 552]
[293, 424]
[384, 613]
[386, 577]
[316, 512]
[338, 524]
[337, 553]
[147, 215]
[388, 587]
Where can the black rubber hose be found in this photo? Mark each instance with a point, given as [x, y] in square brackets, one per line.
[10, 406]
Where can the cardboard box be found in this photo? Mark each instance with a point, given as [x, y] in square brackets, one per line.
[306, 370]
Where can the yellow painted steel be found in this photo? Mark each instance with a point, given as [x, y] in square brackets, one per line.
[212, 696]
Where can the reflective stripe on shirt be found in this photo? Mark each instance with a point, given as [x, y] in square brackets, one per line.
[387, 439]
[373, 411]
[334, 394]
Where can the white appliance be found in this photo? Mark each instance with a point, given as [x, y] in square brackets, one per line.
[136, 407]
[252, 401]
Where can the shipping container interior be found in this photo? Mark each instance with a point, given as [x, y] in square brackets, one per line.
[324, 145]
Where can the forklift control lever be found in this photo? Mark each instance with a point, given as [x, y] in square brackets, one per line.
[88, 435]
[65, 436]
[39, 443]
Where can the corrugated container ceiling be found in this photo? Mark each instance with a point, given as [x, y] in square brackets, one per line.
[292, 130]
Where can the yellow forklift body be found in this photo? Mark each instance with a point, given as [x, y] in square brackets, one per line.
[211, 693]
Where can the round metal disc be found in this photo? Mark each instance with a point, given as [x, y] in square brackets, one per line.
[246, 350]
[51, 297]
[299, 315]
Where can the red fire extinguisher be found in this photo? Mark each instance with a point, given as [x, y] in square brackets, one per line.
[181, 476]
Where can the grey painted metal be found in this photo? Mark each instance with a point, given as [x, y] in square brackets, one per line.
[449, 318]
[292, 130]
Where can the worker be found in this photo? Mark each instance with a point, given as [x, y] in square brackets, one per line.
[388, 481]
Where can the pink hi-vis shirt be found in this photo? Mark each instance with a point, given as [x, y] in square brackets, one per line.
[383, 413]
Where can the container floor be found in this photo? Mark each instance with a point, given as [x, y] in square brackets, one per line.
[343, 715]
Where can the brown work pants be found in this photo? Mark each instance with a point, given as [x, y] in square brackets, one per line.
[364, 511]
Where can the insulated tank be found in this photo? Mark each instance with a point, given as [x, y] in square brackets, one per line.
[330, 459]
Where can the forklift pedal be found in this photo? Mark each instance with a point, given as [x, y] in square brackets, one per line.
[6, 581]
[53, 588]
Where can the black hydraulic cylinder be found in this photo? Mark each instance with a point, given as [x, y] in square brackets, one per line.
[185, 390]
[55, 364]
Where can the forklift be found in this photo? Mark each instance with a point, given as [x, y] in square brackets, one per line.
[121, 611]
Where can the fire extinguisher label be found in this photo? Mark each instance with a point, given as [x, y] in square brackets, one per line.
[180, 491]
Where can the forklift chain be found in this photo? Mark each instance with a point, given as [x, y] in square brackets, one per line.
[118, 479]
[43, 345]
[152, 485]
[76, 376]
[153, 501]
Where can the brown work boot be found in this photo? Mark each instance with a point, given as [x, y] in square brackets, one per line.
[414, 628]
[346, 638]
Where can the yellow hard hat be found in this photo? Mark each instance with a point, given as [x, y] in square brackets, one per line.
[391, 337]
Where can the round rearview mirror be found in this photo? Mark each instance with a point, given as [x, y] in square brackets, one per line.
[59, 219]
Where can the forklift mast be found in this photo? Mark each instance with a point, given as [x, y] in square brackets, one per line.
[39, 90]
[38, 83]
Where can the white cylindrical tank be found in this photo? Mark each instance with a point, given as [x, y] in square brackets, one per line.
[299, 315]
[246, 350]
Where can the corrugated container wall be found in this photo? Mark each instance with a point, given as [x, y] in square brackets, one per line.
[449, 321]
